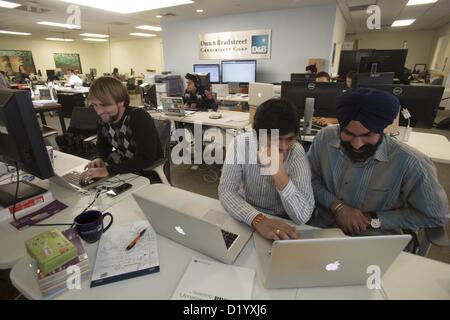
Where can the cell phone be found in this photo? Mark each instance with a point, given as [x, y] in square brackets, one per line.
[118, 190]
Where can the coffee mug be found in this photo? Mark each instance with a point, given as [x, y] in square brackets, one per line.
[89, 225]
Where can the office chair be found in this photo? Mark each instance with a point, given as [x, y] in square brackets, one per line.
[162, 166]
[425, 238]
[80, 137]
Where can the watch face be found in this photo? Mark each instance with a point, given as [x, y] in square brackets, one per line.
[375, 223]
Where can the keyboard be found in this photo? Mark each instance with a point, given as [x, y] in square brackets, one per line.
[74, 178]
[229, 238]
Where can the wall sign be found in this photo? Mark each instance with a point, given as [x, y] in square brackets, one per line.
[251, 44]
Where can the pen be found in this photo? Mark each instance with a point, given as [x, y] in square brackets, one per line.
[135, 240]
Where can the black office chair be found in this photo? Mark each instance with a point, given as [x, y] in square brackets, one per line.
[425, 238]
[80, 137]
[162, 166]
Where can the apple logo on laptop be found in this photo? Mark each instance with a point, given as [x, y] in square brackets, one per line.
[259, 95]
[180, 230]
[333, 266]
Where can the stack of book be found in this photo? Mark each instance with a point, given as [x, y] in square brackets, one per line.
[60, 262]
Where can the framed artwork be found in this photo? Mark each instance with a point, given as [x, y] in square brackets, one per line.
[12, 60]
[65, 61]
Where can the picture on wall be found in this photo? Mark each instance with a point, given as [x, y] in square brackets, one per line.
[66, 61]
[11, 60]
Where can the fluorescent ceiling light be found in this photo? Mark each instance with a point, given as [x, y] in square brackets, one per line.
[150, 28]
[14, 32]
[402, 23]
[139, 34]
[94, 35]
[95, 39]
[59, 39]
[9, 5]
[417, 2]
[199, 10]
[61, 25]
[129, 6]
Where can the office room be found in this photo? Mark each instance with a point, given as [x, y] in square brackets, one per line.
[138, 149]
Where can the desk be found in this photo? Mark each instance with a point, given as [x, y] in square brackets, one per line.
[429, 279]
[41, 109]
[72, 90]
[12, 241]
[238, 97]
[435, 146]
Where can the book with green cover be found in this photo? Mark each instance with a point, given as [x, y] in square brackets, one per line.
[51, 249]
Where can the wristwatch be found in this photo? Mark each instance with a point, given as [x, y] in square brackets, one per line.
[375, 222]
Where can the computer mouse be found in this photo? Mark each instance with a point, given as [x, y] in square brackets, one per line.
[215, 115]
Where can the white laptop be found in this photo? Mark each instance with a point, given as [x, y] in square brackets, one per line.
[180, 215]
[259, 93]
[71, 181]
[325, 257]
[173, 106]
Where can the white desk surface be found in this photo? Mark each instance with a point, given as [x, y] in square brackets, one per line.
[12, 241]
[435, 146]
[409, 277]
[72, 90]
[239, 97]
[230, 119]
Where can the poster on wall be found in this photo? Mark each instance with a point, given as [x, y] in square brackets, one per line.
[11, 60]
[66, 61]
[251, 44]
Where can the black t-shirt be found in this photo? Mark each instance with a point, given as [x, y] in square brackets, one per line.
[135, 140]
[200, 99]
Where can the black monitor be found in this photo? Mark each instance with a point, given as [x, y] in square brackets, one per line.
[422, 102]
[324, 94]
[50, 74]
[366, 79]
[303, 77]
[212, 69]
[21, 138]
[372, 64]
[241, 71]
[147, 92]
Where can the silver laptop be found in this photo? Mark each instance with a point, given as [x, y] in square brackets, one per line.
[325, 257]
[173, 106]
[71, 181]
[212, 232]
[259, 93]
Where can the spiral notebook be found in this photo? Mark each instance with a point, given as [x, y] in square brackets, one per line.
[115, 263]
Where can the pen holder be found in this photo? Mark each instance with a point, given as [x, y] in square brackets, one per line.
[89, 225]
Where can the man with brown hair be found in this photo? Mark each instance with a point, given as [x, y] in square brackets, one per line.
[127, 140]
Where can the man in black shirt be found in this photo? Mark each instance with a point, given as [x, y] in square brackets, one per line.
[127, 140]
[196, 96]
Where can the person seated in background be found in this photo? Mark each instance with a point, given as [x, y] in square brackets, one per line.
[127, 140]
[349, 79]
[322, 76]
[73, 79]
[366, 182]
[253, 197]
[196, 96]
[311, 69]
[116, 74]
[4, 83]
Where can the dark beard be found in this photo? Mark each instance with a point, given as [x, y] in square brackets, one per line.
[365, 152]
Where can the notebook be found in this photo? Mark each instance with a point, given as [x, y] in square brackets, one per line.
[115, 263]
[209, 280]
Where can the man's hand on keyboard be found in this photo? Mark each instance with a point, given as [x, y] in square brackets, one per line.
[96, 163]
[274, 229]
[93, 174]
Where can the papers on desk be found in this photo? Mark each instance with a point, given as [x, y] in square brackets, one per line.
[115, 263]
[208, 280]
[40, 103]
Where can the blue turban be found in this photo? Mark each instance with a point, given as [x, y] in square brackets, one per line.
[375, 109]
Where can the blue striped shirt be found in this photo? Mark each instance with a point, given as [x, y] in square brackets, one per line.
[244, 192]
[398, 182]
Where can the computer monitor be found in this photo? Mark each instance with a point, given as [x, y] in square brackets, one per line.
[303, 77]
[325, 95]
[212, 69]
[241, 71]
[366, 79]
[148, 95]
[50, 74]
[422, 102]
[371, 64]
[21, 138]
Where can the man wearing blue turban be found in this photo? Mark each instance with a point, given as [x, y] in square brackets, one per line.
[365, 181]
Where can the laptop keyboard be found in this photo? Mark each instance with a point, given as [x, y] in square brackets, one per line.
[74, 178]
[229, 238]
